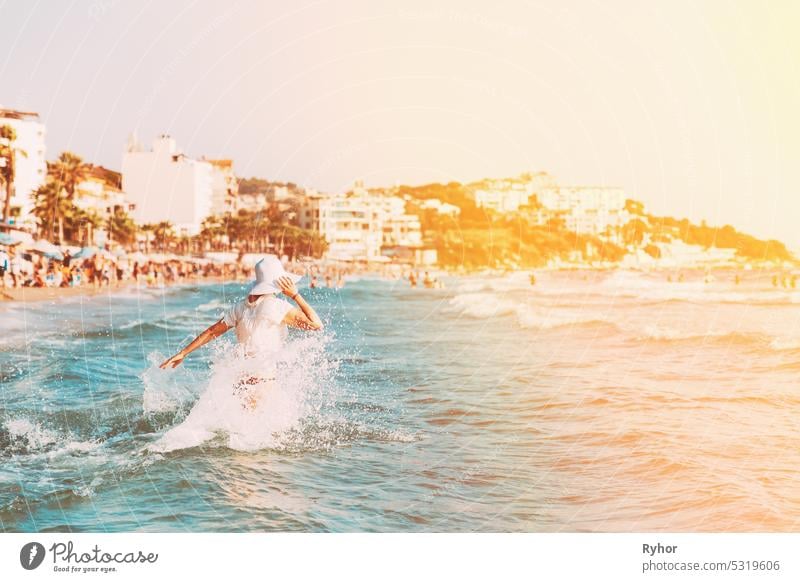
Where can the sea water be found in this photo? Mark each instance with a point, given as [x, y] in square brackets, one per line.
[590, 401]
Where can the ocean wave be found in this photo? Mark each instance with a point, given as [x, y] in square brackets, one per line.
[324, 435]
[135, 294]
[481, 305]
[646, 287]
[785, 343]
[511, 282]
[138, 326]
[667, 334]
[529, 316]
[213, 305]
[488, 305]
[30, 435]
[549, 318]
[22, 436]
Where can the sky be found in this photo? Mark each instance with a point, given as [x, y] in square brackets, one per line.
[691, 107]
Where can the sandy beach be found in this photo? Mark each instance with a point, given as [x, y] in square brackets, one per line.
[35, 294]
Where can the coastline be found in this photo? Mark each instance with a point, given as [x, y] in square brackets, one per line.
[24, 295]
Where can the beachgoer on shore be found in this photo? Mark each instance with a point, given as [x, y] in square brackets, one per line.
[15, 269]
[260, 321]
[3, 268]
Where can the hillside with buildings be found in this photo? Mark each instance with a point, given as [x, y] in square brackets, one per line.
[531, 221]
[165, 199]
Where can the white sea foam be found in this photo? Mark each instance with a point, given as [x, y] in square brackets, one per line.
[659, 332]
[140, 294]
[131, 324]
[31, 434]
[482, 305]
[300, 371]
[785, 343]
[213, 305]
[539, 318]
[34, 438]
[650, 288]
[166, 390]
[490, 305]
[668, 333]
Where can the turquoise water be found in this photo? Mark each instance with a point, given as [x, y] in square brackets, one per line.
[605, 402]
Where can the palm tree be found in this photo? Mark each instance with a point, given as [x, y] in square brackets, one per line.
[8, 155]
[50, 206]
[121, 227]
[210, 232]
[81, 225]
[164, 233]
[184, 244]
[68, 171]
[147, 229]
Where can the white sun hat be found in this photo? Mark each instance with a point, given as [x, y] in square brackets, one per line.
[268, 270]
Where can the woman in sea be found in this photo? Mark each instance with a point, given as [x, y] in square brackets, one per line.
[261, 321]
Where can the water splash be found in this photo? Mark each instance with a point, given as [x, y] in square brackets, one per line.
[291, 384]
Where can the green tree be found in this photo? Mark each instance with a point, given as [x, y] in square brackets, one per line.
[148, 230]
[50, 206]
[67, 172]
[633, 232]
[211, 232]
[121, 227]
[164, 235]
[80, 225]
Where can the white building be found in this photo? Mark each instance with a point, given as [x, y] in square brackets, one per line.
[359, 225]
[442, 208]
[350, 224]
[502, 199]
[508, 195]
[101, 193]
[587, 209]
[166, 185]
[224, 186]
[402, 230]
[30, 167]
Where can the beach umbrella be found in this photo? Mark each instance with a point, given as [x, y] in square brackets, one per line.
[137, 257]
[47, 249]
[85, 253]
[8, 240]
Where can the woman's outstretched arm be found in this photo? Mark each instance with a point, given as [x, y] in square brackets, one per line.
[303, 318]
[212, 332]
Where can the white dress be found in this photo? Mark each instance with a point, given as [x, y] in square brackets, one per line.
[261, 334]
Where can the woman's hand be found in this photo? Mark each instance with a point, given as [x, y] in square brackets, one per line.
[287, 286]
[173, 362]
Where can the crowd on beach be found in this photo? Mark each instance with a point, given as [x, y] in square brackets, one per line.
[102, 269]
[98, 268]
[18, 269]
